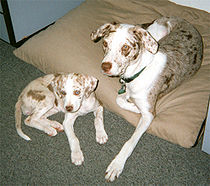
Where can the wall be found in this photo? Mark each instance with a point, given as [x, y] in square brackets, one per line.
[199, 4]
[29, 16]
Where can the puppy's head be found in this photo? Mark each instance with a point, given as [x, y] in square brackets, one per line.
[73, 88]
[123, 46]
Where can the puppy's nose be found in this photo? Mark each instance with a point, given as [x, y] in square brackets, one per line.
[69, 108]
[106, 66]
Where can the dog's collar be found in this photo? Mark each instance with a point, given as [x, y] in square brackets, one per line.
[123, 80]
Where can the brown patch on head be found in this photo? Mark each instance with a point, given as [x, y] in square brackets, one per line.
[136, 55]
[36, 95]
[79, 78]
[103, 30]
[58, 83]
[145, 39]
[91, 85]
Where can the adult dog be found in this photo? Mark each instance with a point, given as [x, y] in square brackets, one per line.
[72, 94]
[150, 64]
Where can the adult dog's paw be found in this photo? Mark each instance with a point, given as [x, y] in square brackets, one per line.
[114, 169]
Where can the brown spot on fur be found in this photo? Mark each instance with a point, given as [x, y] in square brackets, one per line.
[36, 95]
[56, 102]
[195, 59]
[114, 23]
[145, 34]
[146, 25]
[100, 102]
[80, 79]
[189, 36]
[168, 79]
[57, 74]
[50, 87]
[136, 55]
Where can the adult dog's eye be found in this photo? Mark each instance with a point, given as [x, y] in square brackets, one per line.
[125, 50]
[76, 92]
[125, 47]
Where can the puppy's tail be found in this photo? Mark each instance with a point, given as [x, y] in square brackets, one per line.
[18, 114]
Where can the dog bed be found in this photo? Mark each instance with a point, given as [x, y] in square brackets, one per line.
[66, 47]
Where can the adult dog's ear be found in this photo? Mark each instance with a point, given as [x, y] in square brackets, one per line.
[148, 42]
[102, 31]
[91, 84]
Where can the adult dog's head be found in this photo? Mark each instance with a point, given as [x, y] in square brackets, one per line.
[123, 45]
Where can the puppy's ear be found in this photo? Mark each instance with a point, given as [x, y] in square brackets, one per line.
[91, 84]
[103, 30]
[56, 84]
[148, 42]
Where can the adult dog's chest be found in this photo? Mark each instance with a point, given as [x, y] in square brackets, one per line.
[143, 84]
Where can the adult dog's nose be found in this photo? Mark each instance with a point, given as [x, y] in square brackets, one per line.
[106, 66]
[69, 108]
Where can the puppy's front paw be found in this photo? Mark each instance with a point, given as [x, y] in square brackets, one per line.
[56, 125]
[114, 169]
[101, 137]
[50, 131]
[77, 157]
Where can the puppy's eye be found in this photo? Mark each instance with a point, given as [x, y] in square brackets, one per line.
[62, 92]
[76, 92]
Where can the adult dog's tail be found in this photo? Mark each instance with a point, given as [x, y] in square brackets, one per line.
[18, 114]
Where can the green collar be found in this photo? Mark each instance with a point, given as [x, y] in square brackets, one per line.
[123, 80]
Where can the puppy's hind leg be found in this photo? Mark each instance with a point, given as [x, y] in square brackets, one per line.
[35, 120]
[56, 125]
[101, 136]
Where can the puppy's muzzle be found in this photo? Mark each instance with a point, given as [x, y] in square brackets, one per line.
[106, 66]
[69, 108]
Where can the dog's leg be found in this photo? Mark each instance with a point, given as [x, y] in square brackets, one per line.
[116, 166]
[101, 136]
[53, 124]
[123, 102]
[35, 120]
[76, 154]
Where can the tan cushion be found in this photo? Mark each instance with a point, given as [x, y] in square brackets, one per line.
[66, 46]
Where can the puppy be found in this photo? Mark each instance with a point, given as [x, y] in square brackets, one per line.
[150, 63]
[70, 93]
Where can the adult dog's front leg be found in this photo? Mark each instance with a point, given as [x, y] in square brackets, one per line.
[101, 136]
[116, 166]
[123, 102]
[76, 153]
